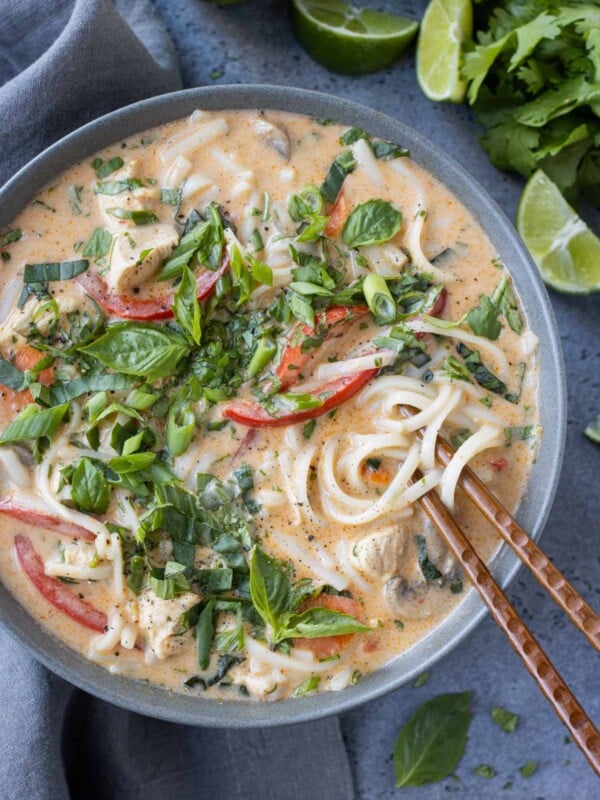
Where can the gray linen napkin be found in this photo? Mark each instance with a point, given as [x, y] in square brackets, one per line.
[63, 63]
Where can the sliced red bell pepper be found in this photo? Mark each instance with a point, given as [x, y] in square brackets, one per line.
[294, 357]
[440, 304]
[332, 394]
[43, 520]
[128, 307]
[55, 591]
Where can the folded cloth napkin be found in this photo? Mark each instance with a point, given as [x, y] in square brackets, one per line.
[63, 63]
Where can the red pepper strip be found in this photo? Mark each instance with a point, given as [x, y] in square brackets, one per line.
[338, 391]
[55, 591]
[127, 307]
[436, 309]
[46, 521]
[440, 304]
[294, 358]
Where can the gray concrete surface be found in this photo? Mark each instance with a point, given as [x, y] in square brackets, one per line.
[253, 43]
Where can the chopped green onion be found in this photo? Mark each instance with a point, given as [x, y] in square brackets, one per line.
[379, 298]
[180, 430]
[263, 354]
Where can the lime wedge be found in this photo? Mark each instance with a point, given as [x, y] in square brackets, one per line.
[564, 248]
[350, 40]
[445, 26]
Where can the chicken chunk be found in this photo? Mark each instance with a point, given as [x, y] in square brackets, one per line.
[138, 255]
[162, 621]
[380, 554]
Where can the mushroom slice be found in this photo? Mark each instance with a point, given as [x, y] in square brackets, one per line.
[417, 600]
[274, 136]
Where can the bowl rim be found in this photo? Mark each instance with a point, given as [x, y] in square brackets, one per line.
[192, 709]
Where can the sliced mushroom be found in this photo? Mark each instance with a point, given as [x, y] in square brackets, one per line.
[274, 136]
[419, 600]
[380, 554]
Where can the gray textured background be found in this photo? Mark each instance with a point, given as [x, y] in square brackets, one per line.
[252, 43]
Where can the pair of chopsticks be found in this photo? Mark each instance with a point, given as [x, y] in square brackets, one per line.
[537, 663]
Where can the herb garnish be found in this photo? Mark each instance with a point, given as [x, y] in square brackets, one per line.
[433, 740]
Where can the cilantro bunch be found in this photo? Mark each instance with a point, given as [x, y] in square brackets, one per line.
[534, 81]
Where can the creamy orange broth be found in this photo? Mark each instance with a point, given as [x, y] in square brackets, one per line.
[234, 169]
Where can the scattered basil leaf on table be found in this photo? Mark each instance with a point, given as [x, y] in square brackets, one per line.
[504, 719]
[433, 740]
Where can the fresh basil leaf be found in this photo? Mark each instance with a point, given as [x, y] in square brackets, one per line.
[428, 568]
[169, 582]
[54, 271]
[270, 588]
[11, 376]
[483, 319]
[316, 622]
[116, 187]
[504, 719]
[10, 236]
[99, 244]
[186, 306]
[231, 640]
[137, 216]
[205, 630]
[203, 242]
[104, 168]
[137, 571]
[170, 197]
[479, 371]
[370, 223]
[63, 392]
[139, 349]
[34, 422]
[504, 298]
[342, 166]
[214, 580]
[433, 740]
[89, 487]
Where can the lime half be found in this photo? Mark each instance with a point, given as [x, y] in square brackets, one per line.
[350, 40]
[564, 248]
[445, 26]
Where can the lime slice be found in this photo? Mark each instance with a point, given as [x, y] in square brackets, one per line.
[445, 26]
[349, 40]
[564, 248]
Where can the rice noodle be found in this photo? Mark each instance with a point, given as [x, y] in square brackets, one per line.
[479, 342]
[487, 436]
[361, 150]
[419, 259]
[290, 663]
[321, 564]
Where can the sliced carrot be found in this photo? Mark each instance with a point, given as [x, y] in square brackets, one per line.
[27, 357]
[338, 216]
[379, 475]
[327, 646]
[11, 401]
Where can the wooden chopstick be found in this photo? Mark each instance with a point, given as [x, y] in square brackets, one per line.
[558, 587]
[539, 666]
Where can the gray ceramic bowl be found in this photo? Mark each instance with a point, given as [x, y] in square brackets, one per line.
[197, 710]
